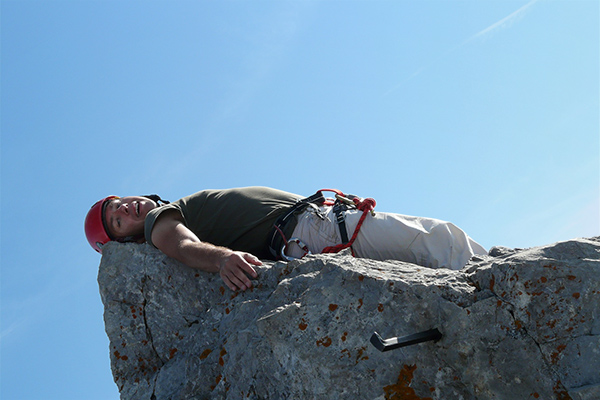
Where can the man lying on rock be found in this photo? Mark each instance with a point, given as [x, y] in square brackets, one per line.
[229, 231]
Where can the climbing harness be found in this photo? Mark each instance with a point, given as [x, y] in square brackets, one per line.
[365, 205]
[342, 202]
[284, 227]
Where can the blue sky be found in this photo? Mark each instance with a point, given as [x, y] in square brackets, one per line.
[483, 113]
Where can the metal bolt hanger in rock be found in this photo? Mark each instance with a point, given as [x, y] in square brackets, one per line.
[397, 342]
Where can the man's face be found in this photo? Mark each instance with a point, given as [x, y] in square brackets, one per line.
[125, 216]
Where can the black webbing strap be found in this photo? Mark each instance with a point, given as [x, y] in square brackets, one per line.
[340, 218]
[286, 224]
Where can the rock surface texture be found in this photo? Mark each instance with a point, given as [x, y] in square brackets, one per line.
[517, 324]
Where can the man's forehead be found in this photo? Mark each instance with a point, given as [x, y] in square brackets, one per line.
[107, 219]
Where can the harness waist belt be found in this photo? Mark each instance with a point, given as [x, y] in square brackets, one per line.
[285, 225]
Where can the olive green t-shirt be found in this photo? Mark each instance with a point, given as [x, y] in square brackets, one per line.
[240, 219]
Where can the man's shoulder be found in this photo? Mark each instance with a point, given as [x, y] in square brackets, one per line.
[159, 219]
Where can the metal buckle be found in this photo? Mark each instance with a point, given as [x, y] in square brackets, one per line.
[345, 200]
[300, 243]
[340, 216]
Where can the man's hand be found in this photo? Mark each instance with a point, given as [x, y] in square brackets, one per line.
[235, 269]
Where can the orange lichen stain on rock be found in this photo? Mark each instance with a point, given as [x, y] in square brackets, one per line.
[227, 310]
[205, 354]
[559, 349]
[333, 307]
[543, 279]
[303, 325]
[120, 357]
[560, 392]
[518, 324]
[361, 278]
[360, 304]
[359, 355]
[536, 395]
[401, 390]
[325, 342]
[219, 377]
[172, 353]
[571, 277]
[347, 353]
[576, 295]
[221, 354]
[222, 290]
[344, 336]
[492, 282]
[197, 275]
[380, 307]
[499, 303]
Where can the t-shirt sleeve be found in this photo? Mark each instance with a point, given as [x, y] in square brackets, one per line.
[152, 217]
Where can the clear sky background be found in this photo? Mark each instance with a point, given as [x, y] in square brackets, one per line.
[483, 113]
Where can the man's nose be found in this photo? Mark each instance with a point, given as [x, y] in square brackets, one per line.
[124, 208]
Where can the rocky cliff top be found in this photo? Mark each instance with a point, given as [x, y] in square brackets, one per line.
[517, 324]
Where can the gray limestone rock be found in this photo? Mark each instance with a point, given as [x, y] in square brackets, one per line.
[517, 324]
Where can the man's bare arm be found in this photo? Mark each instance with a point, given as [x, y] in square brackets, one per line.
[172, 237]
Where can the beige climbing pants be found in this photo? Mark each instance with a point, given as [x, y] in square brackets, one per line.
[424, 241]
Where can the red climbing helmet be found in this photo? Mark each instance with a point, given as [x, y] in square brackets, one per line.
[95, 229]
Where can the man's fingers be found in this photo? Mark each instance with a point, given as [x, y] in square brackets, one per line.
[234, 283]
[234, 272]
[228, 283]
[236, 269]
[241, 277]
[245, 264]
[252, 259]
